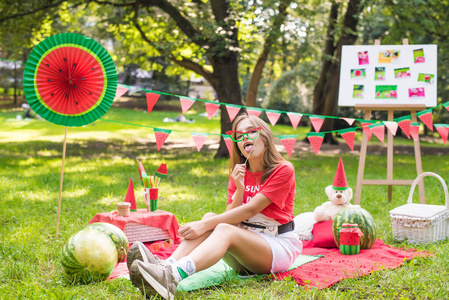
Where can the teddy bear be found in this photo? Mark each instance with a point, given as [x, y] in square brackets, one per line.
[338, 199]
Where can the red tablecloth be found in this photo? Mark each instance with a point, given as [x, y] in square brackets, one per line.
[161, 219]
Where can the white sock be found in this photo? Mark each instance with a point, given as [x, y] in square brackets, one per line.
[171, 260]
[183, 268]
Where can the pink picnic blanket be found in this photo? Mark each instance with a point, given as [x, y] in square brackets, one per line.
[334, 266]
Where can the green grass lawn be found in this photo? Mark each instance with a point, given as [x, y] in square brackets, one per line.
[100, 160]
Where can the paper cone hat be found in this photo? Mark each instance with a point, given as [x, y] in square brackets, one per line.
[340, 182]
[130, 196]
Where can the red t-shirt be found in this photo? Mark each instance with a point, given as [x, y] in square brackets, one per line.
[279, 188]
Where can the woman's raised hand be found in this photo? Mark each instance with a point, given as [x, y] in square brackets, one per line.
[238, 175]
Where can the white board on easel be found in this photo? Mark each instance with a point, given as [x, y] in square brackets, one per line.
[388, 74]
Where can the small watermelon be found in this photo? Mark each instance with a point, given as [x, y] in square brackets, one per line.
[161, 172]
[117, 236]
[89, 256]
[360, 216]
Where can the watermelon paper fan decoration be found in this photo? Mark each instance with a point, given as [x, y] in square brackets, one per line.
[70, 80]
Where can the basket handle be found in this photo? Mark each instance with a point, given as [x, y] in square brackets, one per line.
[422, 175]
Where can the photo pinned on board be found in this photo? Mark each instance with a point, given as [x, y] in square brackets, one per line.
[386, 91]
[416, 92]
[402, 73]
[358, 91]
[358, 73]
[363, 58]
[379, 73]
[389, 56]
[427, 78]
[418, 56]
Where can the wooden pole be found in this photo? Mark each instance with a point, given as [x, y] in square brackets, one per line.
[60, 183]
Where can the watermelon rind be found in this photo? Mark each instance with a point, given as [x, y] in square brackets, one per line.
[117, 236]
[360, 216]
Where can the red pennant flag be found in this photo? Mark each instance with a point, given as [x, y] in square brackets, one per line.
[295, 118]
[130, 196]
[443, 130]
[253, 111]
[151, 100]
[121, 89]
[404, 124]
[273, 116]
[228, 143]
[414, 131]
[378, 130]
[349, 136]
[199, 139]
[317, 122]
[446, 105]
[315, 139]
[366, 129]
[350, 121]
[233, 110]
[426, 117]
[186, 104]
[161, 136]
[211, 109]
[289, 143]
[392, 126]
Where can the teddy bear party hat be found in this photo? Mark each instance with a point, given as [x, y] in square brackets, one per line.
[340, 182]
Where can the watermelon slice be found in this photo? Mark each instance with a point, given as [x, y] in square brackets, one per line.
[392, 126]
[317, 122]
[404, 124]
[161, 172]
[228, 143]
[378, 130]
[348, 135]
[121, 90]
[315, 139]
[232, 110]
[273, 116]
[186, 104]
[414, 131]
[295, 118]
[426, 117]
[161, 136]
[199, 139]
[366, 129]
[443, 130]
[289, 143]
[211, 109]
[151, 100]
[142, 172]
[253, 111]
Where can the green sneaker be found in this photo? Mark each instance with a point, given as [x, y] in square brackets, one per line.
[139, 251]
[159, 277]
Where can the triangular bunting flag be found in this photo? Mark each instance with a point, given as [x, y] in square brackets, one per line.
[151, 100]
[273, 116]
[392, 126]
[366, 129]
[446, 104]
[414, 131]
[211, 109]
[426, 117]
[317, 122]
[443, 130]
[121, 89]
[199, 139]
[254, 111]
[289, 143]
[348, 135]
[315, 139]
[404, 124]
[295, 118]
[378, 130]
[228, 143]
[350, 121]
[161, 136]
[233, 110]
[186, 104]
[130, 196]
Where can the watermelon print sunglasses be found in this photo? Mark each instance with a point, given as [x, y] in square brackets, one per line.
[239, 135]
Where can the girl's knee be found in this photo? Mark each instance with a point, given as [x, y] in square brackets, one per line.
[208, 215]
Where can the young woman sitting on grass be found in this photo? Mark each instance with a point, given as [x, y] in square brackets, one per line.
[255, 234]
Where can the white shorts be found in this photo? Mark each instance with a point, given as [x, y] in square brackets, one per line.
[285, 247]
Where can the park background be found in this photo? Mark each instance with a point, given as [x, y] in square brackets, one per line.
[281, 55]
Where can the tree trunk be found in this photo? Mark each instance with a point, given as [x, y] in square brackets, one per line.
[15, 84]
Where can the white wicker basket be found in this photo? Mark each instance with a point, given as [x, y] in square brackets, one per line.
[421, 223]
[144, 233]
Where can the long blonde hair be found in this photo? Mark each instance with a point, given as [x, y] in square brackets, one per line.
[271, 157]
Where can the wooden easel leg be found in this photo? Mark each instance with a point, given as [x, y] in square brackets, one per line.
[422, 197]
[361, 170]
[390, 156]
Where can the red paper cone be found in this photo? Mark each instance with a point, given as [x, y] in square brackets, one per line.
[340, 182]
[186, 104]
[151, 100]
[273, 117]
[130, 196]
[211, 109]
[199, 140]
[232, 111]
[295, 118]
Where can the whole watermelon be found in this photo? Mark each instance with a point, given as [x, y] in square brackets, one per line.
[117, 236]
[360, 216]
[89, 256]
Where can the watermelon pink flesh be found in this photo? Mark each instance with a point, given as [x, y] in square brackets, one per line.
[443, 131]
[349, 238]
[316, 142]
[161, 171]
[229, 145]
[427, 119]
[405, 126]
[160, 139]
[289, 144]
[349, 139]
[379, 132]
[154, 193]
